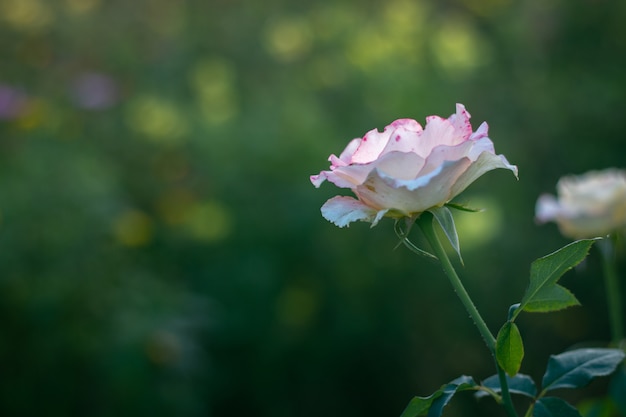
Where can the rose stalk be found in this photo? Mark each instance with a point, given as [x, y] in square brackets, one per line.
[409, 172]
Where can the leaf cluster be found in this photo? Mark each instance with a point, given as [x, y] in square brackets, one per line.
[571, 369]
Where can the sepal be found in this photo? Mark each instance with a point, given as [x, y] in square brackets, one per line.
[446, 221]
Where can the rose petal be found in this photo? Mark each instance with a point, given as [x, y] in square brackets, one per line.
[371, 146]
[399, 165]
[443, 153]
[406, 170]
[406, 138]
[485, 162]
[349, 176]
[346, 155]
[547, 208]
[480, 145]
[344, 210]
[439, 131]
[461, 123]
[412, 196]
[481, 132]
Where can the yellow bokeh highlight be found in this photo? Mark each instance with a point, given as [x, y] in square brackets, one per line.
[331, 20]
[40, 114]
[458, 48]
[157, 119]
[34, 115]
[397, 39]
[404, 16]
[288, 38]
[486, 7]
[81, 7]
[26, 15]
[133, 228]
[205, 220]
[213, 80]
[208, 221]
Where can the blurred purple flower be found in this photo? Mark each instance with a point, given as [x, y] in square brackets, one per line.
[13, 102]
[93, 91]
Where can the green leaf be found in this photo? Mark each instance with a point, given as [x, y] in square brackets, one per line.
[462, 383]
[552, 298]
[433, 405]
[544, 274]
[519, 384]
[576, 368]
[446, 221]
[554, 407]
[597, 407]
[509, 348]
[419, 406]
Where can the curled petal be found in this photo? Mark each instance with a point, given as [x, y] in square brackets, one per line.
[346, 156]
[344, 210]
[348, 176]
[486, 162]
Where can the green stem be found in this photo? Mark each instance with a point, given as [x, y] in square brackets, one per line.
[529, 412]
[611, 284]
[426, 224]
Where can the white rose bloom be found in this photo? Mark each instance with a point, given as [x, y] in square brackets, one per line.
[587, 206]
[406, 169]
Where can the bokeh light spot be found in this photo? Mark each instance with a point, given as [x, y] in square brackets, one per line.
[404, 15]
[486, 7]
[458, 47]
[156, 119]
[395, 41]
[288, 39]
[26, 15]
[79, 7]
[94, 91]
[214, 82]
[35, 113]
[208, 221]
[133, 228]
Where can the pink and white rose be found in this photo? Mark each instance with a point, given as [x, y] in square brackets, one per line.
[406, 169]
[588, 205]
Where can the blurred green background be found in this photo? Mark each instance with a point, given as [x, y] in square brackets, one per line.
[161, 247]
